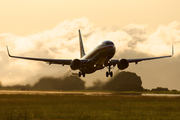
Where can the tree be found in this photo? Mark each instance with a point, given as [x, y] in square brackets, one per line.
[124, 81]
[160, 89]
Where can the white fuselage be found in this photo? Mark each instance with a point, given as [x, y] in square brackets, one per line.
[98, 56]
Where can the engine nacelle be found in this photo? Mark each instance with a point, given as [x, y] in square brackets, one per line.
[75, 64]
[123, 64]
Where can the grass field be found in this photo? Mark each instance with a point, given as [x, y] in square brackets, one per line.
[81, 107]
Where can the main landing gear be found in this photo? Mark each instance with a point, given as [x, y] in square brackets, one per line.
[83, 74]
[109, 72]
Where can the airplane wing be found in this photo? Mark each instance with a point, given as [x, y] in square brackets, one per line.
[113, 62]
[49, 61]
[143, 59]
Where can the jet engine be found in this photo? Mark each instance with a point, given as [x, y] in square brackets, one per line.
[75, 64]
[123, 64]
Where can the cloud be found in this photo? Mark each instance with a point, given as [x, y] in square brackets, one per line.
[62, 42]
[159, 42]
[137, 33]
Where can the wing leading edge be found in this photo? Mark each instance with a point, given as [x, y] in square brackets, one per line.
[49, 61]
[143, 59]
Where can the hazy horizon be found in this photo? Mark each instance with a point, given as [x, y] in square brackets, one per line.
[49, 29]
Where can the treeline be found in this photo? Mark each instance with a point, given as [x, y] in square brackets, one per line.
[162, 89]
[51, 83]
[123, 81]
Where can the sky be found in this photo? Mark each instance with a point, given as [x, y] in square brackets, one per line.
[49, 29]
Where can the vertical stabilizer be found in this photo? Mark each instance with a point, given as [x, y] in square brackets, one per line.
[82, 53]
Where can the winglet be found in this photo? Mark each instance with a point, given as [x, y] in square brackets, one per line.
[172, 50]
[8, 51]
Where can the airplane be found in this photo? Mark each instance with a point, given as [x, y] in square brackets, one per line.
[97, 59]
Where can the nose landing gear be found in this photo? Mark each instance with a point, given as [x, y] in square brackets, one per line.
[109, 72]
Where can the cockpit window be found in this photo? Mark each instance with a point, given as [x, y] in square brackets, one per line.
[109, 43]
[106, 43]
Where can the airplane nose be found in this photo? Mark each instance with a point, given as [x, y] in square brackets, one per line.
[111, 51]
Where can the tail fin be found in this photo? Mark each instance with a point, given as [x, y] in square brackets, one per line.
[82, 53]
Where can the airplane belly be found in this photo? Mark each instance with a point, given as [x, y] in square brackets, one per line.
[92, 69]
[89, 71]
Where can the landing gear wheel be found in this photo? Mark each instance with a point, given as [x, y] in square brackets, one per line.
[107, 74]
[83, 74]
[79, 74]
[111, 73]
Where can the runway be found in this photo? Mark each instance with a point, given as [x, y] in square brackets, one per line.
[53, 92]
[11, 92]
[162, 95]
